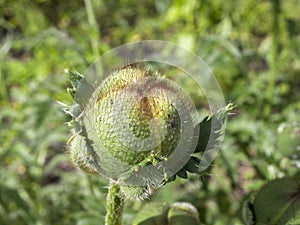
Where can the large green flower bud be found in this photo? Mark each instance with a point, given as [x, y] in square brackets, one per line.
[129, 126]
[124, 134]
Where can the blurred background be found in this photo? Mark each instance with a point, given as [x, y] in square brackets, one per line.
[253, 48]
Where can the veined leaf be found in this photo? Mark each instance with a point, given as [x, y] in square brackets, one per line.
[278, 202]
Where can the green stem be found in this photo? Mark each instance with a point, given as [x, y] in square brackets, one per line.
[3, 92]
[92, 21]
[94, 33]
[274, 55]
[3, 89]
[114, 204]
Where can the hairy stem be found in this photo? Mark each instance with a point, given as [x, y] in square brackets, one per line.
[114, 205]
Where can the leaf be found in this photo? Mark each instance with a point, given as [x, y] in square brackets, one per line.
[10, 197]
[152, 214]
[211, 128]
[205, 130]
[248, 211]
[157, 213]
[278, 202]
[182, 174]
[183, 213]
[81, 88]
[192, 165]
[74, 79]
[288, 138]
[210, 137]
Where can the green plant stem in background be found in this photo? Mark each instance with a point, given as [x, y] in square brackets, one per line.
[92, 21]
[114, 205]
[3, 93]
[274, 54]
[4, 49]
[94, 32]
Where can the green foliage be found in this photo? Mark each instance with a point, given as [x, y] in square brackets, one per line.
[277, 202]
[253, 48]
[152, 213]
[164, 214]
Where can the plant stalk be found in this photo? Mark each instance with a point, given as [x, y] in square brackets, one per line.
[94, 33]
[93, 23]
[274, 54]
[114, 205]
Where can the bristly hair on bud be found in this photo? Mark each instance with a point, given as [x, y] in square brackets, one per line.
[133, 193]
